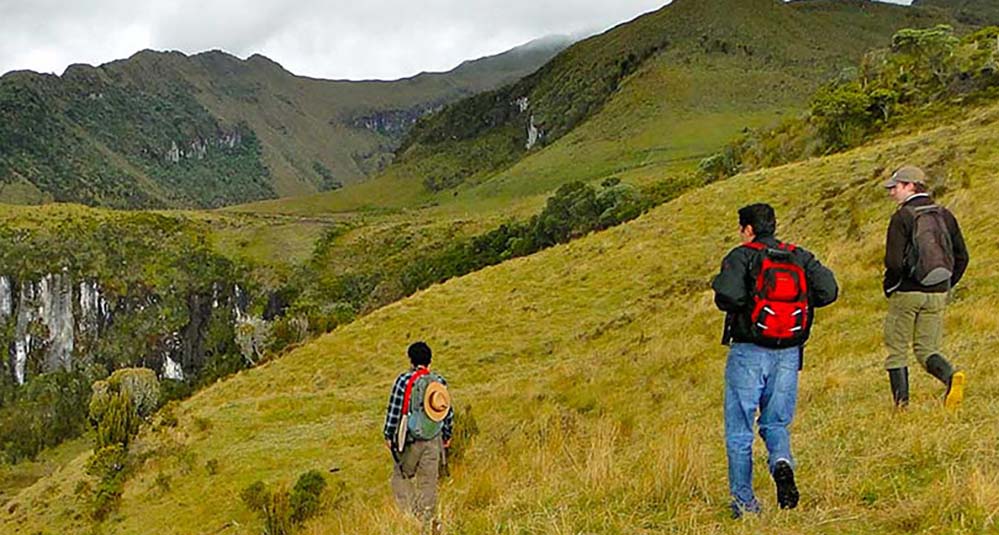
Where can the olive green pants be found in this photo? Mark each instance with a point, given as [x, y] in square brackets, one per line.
[915, 319]
[414, 477]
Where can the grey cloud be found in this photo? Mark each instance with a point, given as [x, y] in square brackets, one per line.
[327, 39]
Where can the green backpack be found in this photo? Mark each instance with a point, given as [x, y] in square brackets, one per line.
[416, 424]
[420, 426]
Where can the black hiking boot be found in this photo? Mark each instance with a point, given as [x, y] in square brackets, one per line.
[787, 491]
[899, 378]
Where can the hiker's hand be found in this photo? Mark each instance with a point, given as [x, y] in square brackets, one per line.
[447, 443]
[388, 444]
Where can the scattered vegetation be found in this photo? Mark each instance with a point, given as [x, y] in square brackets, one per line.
[925, 73]
[41, 414]
[575, 210]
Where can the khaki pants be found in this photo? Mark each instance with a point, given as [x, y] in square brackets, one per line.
[418, 467]
[915, 319]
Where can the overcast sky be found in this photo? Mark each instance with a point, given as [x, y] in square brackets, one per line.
[341, 39]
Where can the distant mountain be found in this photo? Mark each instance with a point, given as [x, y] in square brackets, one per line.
[162, 129]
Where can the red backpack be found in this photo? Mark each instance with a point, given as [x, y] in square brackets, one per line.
[780, 315]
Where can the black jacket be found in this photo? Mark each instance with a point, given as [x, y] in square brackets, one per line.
[734, 294]
[897, 277]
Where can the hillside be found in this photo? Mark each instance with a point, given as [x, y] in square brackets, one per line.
[644, 101]
[162, 129]
[679, 106]
[973, 12]
[732, 59]
[594, 373]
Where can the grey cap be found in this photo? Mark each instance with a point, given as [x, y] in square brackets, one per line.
[908, 174]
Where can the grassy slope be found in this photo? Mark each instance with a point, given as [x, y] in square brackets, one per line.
[595, 374]
[14, 478]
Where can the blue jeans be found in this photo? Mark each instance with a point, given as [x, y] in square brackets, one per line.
[764, 379]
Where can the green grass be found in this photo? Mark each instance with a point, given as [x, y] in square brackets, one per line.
[267, 240]
[14, 478]
[594, 372]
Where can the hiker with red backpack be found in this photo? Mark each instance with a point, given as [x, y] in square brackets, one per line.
[418, 425]
[769, 291]
[925, 256]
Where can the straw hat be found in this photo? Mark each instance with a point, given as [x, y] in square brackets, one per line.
[436, 402]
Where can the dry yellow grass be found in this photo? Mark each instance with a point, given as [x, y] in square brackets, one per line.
[594, 372]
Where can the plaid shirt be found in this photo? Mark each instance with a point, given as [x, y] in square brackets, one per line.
[394, 413]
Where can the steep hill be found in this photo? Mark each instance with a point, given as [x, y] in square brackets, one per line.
[644, 101]
[594, 374]
[162, 129]
[710, 56]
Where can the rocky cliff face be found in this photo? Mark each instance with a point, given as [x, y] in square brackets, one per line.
[394, 123]
[59, 324]
[198, 147]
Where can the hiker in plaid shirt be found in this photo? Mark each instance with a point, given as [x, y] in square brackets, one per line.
[418, 459]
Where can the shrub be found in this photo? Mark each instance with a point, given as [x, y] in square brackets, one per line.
[255, 496]
[305, 495]
[108, 465]
[283, 511]
[45, 411]
[843, 114]
[118, 423]
[138, 384]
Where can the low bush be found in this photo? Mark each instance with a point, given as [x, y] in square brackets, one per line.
[283, 511]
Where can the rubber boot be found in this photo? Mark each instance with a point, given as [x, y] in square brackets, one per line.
[938, 367]
[899, 378]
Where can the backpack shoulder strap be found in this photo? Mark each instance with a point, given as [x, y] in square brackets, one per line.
[755, 245]
[409, 388]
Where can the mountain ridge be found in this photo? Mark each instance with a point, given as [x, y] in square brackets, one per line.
[301, 133]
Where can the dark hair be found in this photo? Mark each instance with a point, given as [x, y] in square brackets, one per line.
[419, 354]
[761, 216]
[919, 188]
